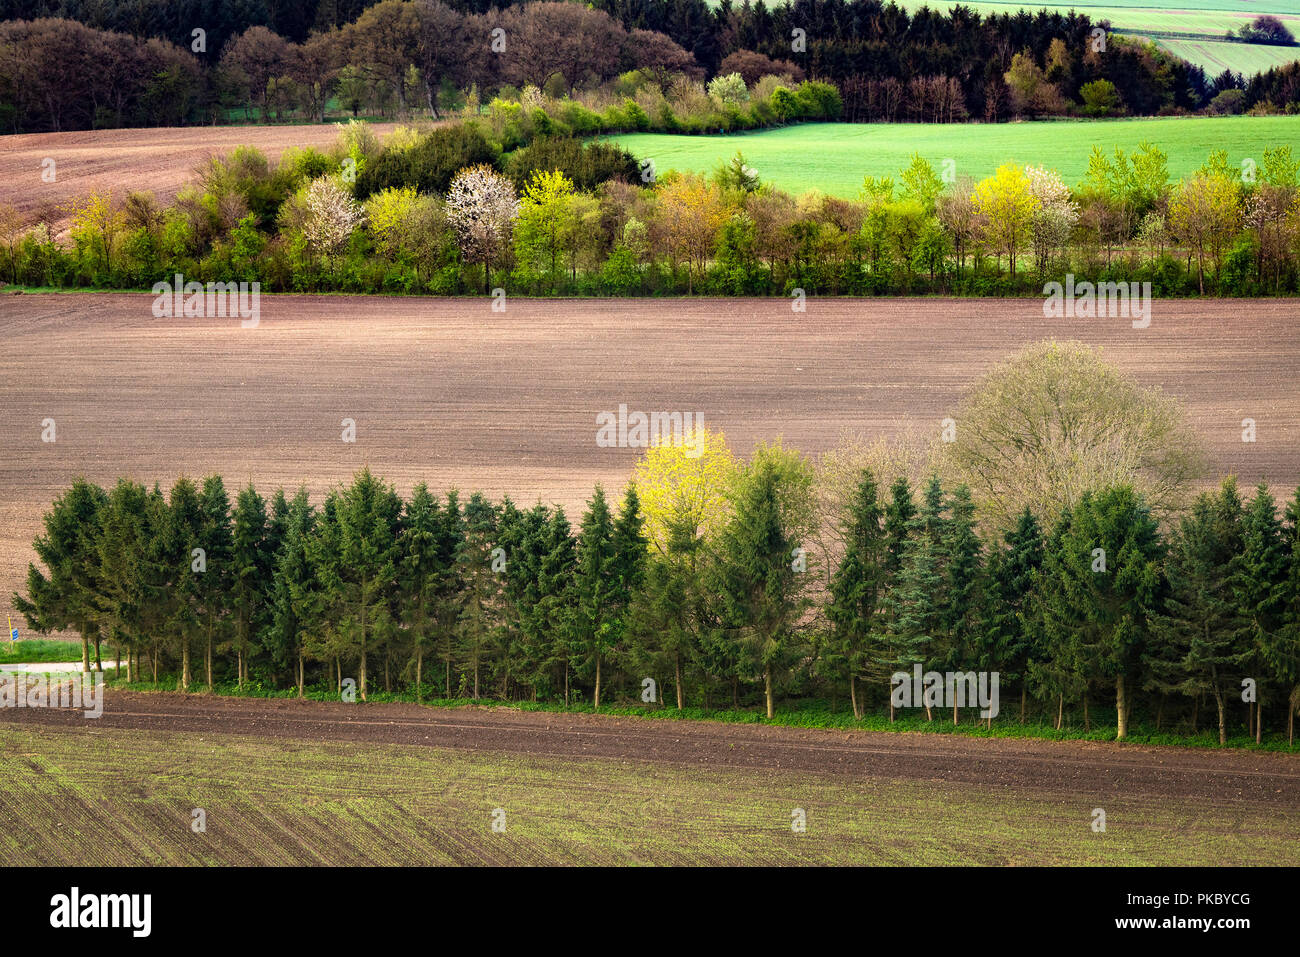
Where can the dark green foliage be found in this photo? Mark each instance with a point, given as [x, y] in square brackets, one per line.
[586, 166]
[430, 164]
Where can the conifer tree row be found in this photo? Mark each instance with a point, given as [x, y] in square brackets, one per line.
[704, 594]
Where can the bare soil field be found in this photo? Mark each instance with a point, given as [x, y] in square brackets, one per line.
[450, 393]
[1103, 769]
[156, 160]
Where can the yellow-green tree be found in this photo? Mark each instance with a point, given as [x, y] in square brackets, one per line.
[1007, 202]
[545, 215]
[387, 212]
[684, 487]
[1204, 213]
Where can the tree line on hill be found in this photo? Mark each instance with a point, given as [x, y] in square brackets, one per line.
[718, 594]
[106, 65]
[515, 201]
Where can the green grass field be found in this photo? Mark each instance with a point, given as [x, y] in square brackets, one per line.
[1208, 20]
[83, 797]
[39, 649]
[834, 157]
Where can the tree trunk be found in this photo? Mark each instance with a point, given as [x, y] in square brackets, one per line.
[419, 670]
[954, 710]
[1121, 708]
[596, 699]
[185, 665]
[300, 675]
[1024, 694]
[85, 654]
[1087, 721]
[447, 688]
[239, 668]
[117, 667]
[1259, 721]
[1060, 711]
[1223, 720]
[338, 675]
[853, 697]
[361, 683]
[767, 689]
[207, 659]
[677, 671]
[99, 664]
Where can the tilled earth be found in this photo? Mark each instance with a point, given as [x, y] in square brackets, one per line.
[1102, 769]
[155, 160]
[448, 392]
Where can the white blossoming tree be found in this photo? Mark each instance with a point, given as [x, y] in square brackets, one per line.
[481, 208]
[1054, 217]
[330, 216]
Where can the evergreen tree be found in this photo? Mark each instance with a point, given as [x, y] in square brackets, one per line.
[251, 575]
[355, 559]
[1259, 579]
[1193, 649]
[215, 580]
[760, 592]
[962, 613]
[478, 624]
[1291, 614]
[857, 584]
[66, 599]
[914, 607]
[1102, 587]
[420, 574]
[182, 583]
[594, 597]
[295, 600]
[1010, 636]
[1055, 668]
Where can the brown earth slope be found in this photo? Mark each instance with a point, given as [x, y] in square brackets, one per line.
[448, 392]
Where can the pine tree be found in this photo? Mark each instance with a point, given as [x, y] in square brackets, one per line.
[478, 625]
[1259, 580]
[594, 635]
[914, 605]
[761, 594]
[1291, 614]
[857, 585]
[420, 575]
[962, 613]
[1010, 638]
[1193, 647]
[1102, 584]
[251, 576]
[214, 584]
[70, 551]
[182, 607]
[295, 600]
[356, 558]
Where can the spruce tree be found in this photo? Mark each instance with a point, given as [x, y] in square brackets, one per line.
[251, 576]
[1259, 579]
[295, 600]
[1010, 636]
[1193, 643]
[420, 575]
[214, 583]
[962, 613]
[1103, 586]
[478, 624]
[857, 585]
[66, 599]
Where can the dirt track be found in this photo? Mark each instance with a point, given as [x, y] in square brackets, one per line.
[157, 160]
[448, 392]
[1043, 766]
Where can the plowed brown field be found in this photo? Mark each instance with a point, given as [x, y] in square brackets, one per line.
[448, 392]
[158, 160]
